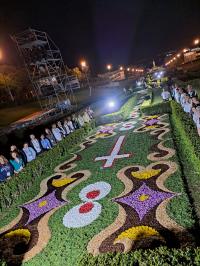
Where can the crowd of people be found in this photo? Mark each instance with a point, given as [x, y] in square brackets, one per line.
[188, 99]
[36, 146]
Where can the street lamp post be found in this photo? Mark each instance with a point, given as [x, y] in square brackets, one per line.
[85, 69]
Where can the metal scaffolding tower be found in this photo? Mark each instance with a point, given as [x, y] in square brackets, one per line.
[46, 69]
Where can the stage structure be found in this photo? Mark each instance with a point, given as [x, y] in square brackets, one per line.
[46, 70]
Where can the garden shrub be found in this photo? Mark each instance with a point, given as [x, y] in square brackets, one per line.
[159, 108]
[37, 170]
[161, 256]
[188, 145]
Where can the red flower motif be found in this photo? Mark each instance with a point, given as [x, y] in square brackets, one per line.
[93, 194]
[87, 207]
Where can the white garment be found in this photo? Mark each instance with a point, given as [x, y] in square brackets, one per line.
[187, 107]
[182, 99]
[70, 125]
[36, 145]
[195, 117]
[80, 120]
[57, 134]
[62, 130]
[30, 154]
[67, 128]
[86, 117]
[177, 96]
[198, 121]
[165, 95]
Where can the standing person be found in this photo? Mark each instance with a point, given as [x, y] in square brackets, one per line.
[195, 102]
[198, 119]
[56, 132]
[75, 122]
[20, 152]
[50, 136]
[187, 106]
[172, 91]
[86, 117]
[29, 152]
[16, 162]
[66, 127]
[46, 145]
[35, 143]
[62, 130]
[90, 112]
[182, 97]
[194, 115]
[165, 95]
[80, 120]
[177, 95]
[192, 93]
[70, 124]
[6, 169]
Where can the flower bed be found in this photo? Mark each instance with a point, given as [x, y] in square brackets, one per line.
[139, 202]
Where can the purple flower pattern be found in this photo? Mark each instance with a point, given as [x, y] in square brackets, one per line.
[42, 206]
[142, 207]
[151, 122]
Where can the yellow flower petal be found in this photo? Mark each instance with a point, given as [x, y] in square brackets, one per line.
[42, 203]
[138, 232]
[143, 197]
[62, 182]
[151, 117]
[101, 135]
[146, 174]
[151, 127]
[19, 232]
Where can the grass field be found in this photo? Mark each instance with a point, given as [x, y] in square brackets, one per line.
[12, 114]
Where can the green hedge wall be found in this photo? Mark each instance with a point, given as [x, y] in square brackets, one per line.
[37, 170]
[188, 145]
[162, 256]
[159, 108]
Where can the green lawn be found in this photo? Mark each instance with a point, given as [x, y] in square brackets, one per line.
[12, 114]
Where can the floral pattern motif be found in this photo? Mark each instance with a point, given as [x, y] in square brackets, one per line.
[150, 197]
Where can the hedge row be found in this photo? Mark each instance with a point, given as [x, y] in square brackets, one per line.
[188, 145]
[162, 256]
[122, 114]
[39, 169]
[159, 108]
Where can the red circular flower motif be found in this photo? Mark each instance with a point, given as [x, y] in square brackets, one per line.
[93, 194]
[87, 207]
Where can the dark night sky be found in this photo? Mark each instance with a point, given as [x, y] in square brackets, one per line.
[104, 31]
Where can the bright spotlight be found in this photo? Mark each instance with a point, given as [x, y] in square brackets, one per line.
[111, 104]
[109, 66]
[139, 83]
[196, 41]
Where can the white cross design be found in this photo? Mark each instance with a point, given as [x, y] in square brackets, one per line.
[114, 154]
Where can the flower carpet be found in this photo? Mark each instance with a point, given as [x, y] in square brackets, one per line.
[121, 190]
